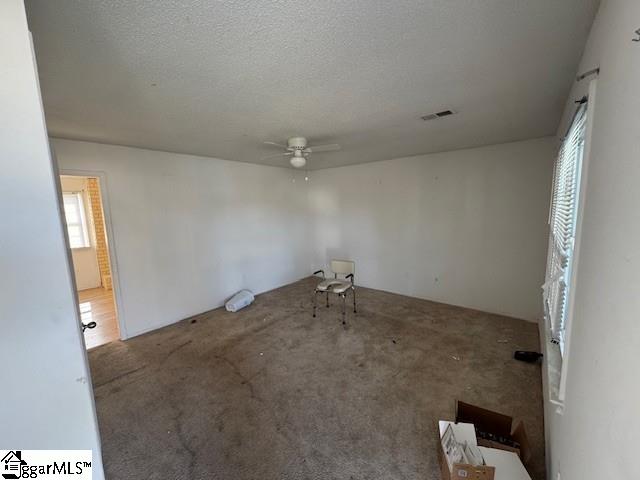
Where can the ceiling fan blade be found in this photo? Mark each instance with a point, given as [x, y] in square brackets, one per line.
[323, 148]
[286, 154]
[274, 144]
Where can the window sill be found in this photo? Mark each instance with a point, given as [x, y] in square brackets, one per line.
[553, 363]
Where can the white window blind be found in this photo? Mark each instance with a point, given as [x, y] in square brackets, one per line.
[76, 221]
[562, 226]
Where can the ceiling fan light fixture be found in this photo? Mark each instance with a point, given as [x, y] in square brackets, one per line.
[298, 149]
[298, 162]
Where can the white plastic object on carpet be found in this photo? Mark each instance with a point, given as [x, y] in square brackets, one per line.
[239, 301]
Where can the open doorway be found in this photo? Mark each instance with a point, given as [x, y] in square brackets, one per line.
[84, 215]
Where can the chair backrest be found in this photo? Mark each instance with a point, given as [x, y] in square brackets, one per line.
[343, 267]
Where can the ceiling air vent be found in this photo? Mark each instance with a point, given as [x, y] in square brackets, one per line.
[433, 116]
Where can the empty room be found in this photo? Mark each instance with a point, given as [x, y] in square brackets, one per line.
[320, 239]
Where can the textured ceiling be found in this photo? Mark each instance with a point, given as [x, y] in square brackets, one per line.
[217, 78]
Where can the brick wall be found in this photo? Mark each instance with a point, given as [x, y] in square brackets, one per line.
[102, 250]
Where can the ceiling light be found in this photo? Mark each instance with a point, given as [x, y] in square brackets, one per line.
[298, 162]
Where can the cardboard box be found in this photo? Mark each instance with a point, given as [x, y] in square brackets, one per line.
[504, 446]
[461, 471]
[495, 430]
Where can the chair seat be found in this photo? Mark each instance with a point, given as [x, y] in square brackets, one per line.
[334, 285]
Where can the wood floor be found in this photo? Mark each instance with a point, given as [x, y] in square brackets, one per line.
[97, 305]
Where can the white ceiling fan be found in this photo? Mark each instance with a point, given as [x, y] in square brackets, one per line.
[298, 150]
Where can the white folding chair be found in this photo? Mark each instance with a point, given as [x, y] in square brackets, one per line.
[338, 286]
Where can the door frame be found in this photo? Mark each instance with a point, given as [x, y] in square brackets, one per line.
[111, 241]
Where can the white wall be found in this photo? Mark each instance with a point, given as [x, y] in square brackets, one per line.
[46, 400]
[597, 435]
[85, 260]
[188, 231]
[466, 227]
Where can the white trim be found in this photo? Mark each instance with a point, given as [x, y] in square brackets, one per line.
[113, 257]
[584, 174]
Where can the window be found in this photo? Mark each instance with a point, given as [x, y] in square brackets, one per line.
[562, 227]
[76, 220]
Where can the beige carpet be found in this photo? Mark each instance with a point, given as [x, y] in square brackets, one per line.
[272, 393]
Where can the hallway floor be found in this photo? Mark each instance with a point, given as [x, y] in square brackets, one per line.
[271, 393]
[97, 305]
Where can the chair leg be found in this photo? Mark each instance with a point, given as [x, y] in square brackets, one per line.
[315, 297]
[327, 298]
[354, 300]
[344, 308]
